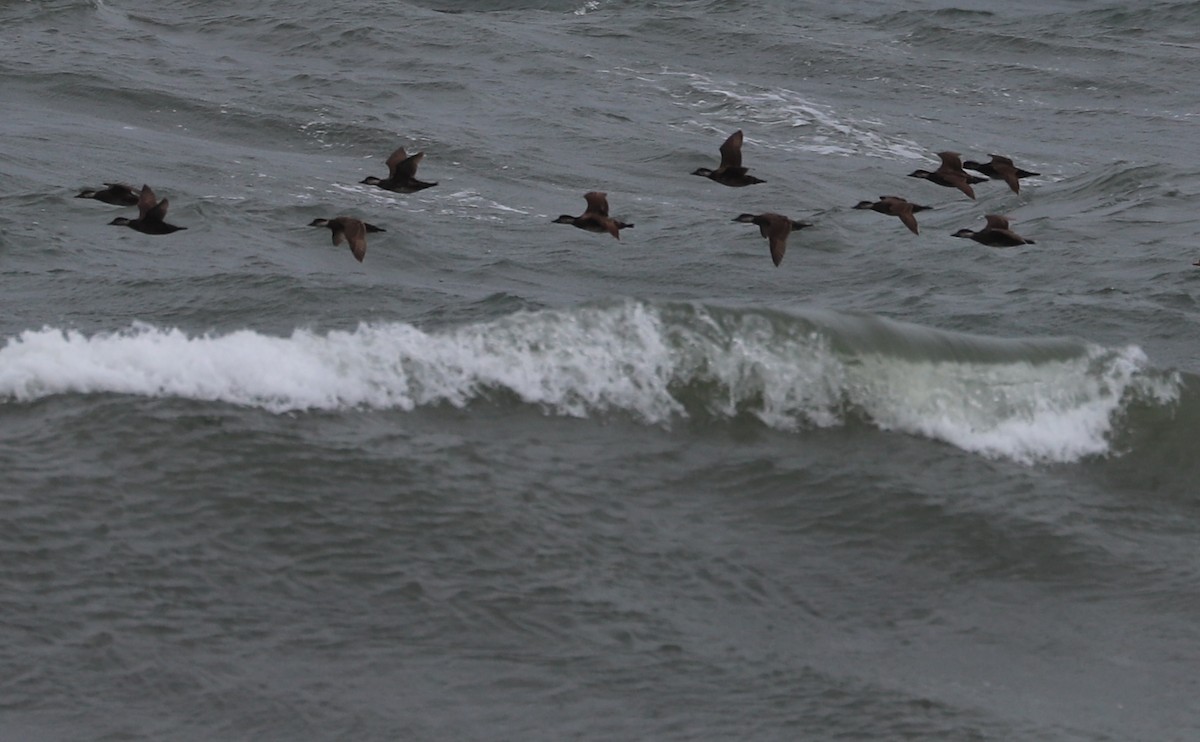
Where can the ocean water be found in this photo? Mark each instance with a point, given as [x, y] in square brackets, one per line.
[509, 480]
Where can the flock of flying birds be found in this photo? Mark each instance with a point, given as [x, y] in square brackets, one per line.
[152, 213]
[776, 227]
[402, 178]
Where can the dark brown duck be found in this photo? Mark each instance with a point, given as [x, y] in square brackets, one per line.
[775, 228]
[117, 194]
[995, 234]
[1003, 168]
[402, 174]
[353, 231]
[595, 217]
[730, 172]
[950, 174]
[151, 215]
[895, 206]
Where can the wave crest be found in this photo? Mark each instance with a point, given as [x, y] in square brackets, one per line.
[1042, 400]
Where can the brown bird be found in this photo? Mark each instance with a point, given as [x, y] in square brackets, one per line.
[1003, 168]
[950, 174]
[895, 206]
[351, 230]
[774, 227]
[151, 214]
[595, 217]
[730, 172]
[117, 194]
[995, 234]
[402, 174]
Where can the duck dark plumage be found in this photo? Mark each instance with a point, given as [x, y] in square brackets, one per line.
[324, 222]
[353, 231]
[151, 215]
[950, 174]
[995, 234]
[1003, 168]
[895, 206]
[402, 174]
[595, 217]
[117, 194]
[775, 228]
[730, 172]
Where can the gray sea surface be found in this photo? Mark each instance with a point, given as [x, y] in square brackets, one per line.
[509, 480]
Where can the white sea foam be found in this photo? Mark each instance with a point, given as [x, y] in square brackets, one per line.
[318, 129]
[654, 363]
[473, 205]
[823, 129]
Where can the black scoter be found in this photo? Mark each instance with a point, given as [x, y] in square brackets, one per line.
[995, 234]
[775, 228]
[1003, 168]
[402, 174]
[151, 215]
[730, 172]
[895, 206]
[595, 217]
[117, 194]
[351, 230]
[950, 174]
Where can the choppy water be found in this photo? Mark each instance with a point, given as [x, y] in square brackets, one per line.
[506, 479]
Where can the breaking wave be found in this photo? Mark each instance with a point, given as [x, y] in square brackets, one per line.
[1024, 400]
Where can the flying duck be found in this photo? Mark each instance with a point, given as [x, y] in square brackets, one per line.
[1003, 168]
[730, 172]
[774, 227]
[402, 174]
[117, 194]
[151, 214]
[950, 174]
[595, 217]
[351, 230]
[995, 234]
[895, 206]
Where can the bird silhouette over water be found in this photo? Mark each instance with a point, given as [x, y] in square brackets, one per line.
[1003, 168]
[775, 228]
[950, 174]
[730, 172]
[595, 217]
[353, 231]
[895, 206]
[995, 234]
[402, 174]
[151, 215]
[117, 194]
